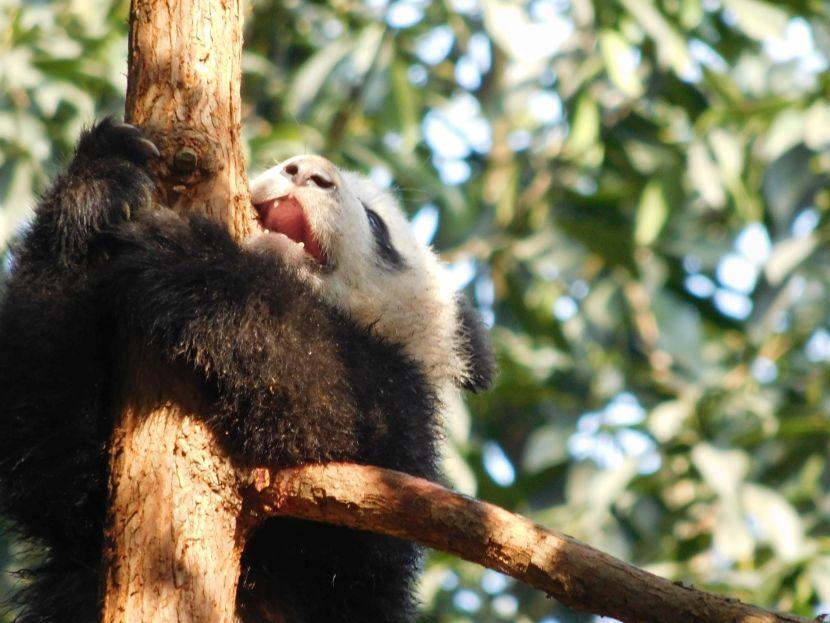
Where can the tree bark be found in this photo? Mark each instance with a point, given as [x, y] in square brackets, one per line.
[183, 85]
[173, 546]
[579, 576]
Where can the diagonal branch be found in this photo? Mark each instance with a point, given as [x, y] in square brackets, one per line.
[579, 576]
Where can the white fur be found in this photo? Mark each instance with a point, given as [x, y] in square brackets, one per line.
[414, 306]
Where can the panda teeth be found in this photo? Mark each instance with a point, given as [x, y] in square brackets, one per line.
[302, 245]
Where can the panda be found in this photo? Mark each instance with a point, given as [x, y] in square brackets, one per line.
[328, 335]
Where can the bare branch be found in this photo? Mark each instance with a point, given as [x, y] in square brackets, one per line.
[579, 576]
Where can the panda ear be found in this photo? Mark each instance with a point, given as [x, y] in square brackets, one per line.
[475, 349]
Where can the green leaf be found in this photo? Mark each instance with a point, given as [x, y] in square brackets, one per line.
[667, 419]
[777, 521]
[723, 470]
[819, 571]
[704, 175]
[652, 212]
[547, 446]
[405, 106]
[680, 331]
[619, 61]
[309, 80]
[671, 46]
[786, 256]
[759, 20]
[583, 140]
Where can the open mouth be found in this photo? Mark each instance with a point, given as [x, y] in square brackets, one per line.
[287, 217]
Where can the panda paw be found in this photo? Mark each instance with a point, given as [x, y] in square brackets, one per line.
[110, 139]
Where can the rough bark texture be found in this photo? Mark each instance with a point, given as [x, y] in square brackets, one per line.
[173, 547]
[579, 576]
[184, 87]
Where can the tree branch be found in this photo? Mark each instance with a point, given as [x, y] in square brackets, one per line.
[579, 576]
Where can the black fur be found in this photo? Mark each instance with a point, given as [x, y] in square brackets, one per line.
[293, 381]
[476, 348]
[383, 243]
[55, 355]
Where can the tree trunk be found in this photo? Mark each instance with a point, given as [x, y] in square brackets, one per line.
[173, 544]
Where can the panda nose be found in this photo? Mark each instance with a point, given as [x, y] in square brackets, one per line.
[311, 171]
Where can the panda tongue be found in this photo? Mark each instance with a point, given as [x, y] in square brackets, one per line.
[286, 216]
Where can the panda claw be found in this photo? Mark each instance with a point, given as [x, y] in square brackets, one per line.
[148, 148]
[128, 130]
[130, 141]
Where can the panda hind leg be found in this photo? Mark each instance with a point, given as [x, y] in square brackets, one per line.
[307, 572]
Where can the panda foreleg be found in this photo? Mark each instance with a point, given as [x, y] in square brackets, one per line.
[270, 349]
[105, 184]
[54, 371]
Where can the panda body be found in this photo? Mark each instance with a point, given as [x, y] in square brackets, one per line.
[328, 336]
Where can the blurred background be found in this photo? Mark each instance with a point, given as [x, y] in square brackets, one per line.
[634, 192]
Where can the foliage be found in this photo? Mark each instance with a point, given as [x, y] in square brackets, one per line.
[634, 191]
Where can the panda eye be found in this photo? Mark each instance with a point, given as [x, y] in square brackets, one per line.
[375, 222]
[383, 243]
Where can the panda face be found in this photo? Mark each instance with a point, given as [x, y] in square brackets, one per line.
[338, 219]
[352, 243]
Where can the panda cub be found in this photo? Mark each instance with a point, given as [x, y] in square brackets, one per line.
[327, 336]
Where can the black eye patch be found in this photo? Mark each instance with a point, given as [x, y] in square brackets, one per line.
[387, 252]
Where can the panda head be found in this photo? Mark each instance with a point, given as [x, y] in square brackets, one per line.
[352, 243]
